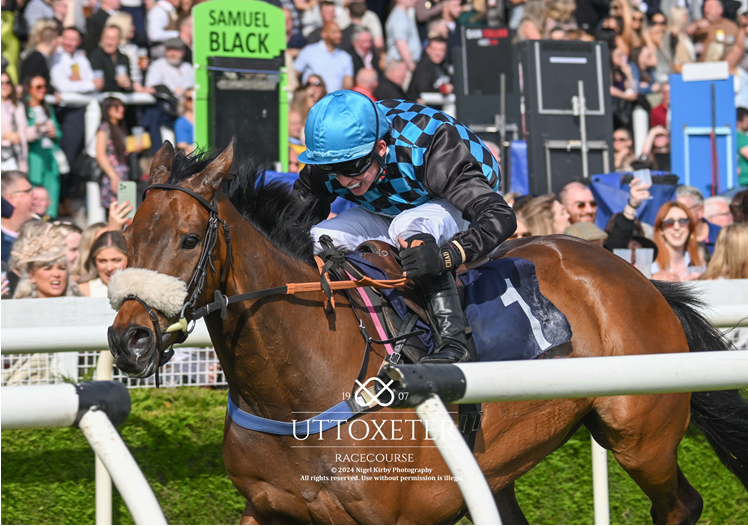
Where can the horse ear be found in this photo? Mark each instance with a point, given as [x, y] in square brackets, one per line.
[211, 178]
[161, 165]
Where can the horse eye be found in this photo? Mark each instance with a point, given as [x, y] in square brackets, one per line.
[190, 241]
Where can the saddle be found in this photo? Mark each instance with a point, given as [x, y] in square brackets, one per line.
[383, 313]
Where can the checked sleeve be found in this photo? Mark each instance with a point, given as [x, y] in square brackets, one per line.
[453, 173]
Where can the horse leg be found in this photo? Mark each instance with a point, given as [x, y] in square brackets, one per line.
[509, 510]
[250, 515]
[644, 432]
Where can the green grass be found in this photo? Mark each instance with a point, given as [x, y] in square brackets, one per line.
[176, 435]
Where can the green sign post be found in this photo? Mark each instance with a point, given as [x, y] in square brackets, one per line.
[240, 76]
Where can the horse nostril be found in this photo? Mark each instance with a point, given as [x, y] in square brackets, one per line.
[113, 338]
[138, 341]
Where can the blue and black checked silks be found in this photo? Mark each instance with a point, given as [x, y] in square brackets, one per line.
[429, 156]
[511, 319]
[402, 186]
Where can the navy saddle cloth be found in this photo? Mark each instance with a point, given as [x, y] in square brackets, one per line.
[510, 318]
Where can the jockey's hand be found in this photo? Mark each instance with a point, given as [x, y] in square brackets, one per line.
[426, 259]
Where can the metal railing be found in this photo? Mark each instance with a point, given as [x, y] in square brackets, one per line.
[89, 406]
[555, 379]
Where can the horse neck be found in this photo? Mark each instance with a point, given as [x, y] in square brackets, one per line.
[279, 353]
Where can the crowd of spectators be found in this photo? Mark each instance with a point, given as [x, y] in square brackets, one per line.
[691, 238]
[65, 61]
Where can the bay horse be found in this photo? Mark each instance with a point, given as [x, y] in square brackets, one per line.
[284, 355]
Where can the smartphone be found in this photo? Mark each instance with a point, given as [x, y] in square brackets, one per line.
[128, 191]
[645, 177]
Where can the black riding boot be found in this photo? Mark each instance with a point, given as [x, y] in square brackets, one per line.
[449, 320]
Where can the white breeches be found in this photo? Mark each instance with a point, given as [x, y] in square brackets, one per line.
[355, 225]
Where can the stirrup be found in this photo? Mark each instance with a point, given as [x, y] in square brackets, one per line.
[447, 356]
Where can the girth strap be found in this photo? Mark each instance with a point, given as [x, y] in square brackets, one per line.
[333, 417]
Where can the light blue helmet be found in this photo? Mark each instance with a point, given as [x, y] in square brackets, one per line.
[343, 126]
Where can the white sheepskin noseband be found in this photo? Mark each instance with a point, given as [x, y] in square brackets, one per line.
[164, 293]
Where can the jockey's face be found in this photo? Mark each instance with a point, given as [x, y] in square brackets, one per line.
[360, 184]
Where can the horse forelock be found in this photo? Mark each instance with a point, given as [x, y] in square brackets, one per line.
[269, 207]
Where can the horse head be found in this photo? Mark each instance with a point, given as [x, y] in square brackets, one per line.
[172, 234]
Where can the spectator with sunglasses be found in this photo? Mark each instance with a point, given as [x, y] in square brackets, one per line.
[678, 257]
[522, 230]
[623, 150]
[578, 200]
[637, 28]
[706, 233]
[43, 135]
[16, 190]
[423, 182]
[308, 95]
[654, 38]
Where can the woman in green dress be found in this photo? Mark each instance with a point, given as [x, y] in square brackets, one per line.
[43, 134]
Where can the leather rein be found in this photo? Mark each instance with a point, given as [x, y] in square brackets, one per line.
[221, 302]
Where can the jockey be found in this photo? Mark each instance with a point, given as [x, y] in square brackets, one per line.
[417, 175]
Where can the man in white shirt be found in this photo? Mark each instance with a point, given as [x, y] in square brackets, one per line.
[70, 73]
[69, 68]
[162, 24]
[326, 60]
[170, 71]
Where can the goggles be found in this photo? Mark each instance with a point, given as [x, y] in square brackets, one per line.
[355, 168]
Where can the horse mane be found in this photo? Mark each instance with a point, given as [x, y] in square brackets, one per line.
[269, 207]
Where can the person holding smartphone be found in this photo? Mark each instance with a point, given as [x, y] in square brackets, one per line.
[111, 153]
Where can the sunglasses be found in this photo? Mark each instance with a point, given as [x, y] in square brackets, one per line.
[581, 204]
[188, 98]
[620, 139]
[670, 223]
[5, 83]
[638, 19]
[659, 23]
[518, 236]
[40, 86]
[355, 168]
[315, 82]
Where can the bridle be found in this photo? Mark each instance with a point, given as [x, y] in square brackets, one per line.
[197, 283]
[221, 301]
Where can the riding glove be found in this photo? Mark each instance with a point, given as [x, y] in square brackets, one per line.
[429, 259]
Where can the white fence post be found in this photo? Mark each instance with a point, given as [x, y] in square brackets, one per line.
[54, 406]
[103, 480]
[460, 460]
[600, 484]
[130, 481]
